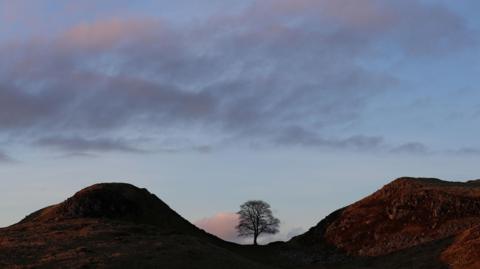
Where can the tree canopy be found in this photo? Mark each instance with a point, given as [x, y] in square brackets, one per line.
[255, 219]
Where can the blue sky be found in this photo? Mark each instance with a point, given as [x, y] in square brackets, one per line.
[309, 105]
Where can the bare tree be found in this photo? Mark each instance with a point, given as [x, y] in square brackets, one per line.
[255, 219]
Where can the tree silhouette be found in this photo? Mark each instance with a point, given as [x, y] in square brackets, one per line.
[255, 219]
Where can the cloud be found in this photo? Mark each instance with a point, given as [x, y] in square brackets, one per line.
[221, 224]
[473, 151]
[282, 236]
[278, 73]
[76, 155]
[299, 136]
[81, 146]
[415, 27]
[294, 232]
[101, 35]
[411, 147]
[4, 158]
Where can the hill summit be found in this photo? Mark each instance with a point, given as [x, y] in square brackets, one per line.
[114, 201]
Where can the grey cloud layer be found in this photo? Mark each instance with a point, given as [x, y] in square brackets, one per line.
[79, 144]
[279, 73]
[4, 158]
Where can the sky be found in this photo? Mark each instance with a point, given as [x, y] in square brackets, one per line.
[309, 105]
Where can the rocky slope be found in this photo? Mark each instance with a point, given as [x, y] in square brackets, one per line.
[407, 213]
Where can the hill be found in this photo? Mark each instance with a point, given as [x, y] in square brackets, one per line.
[113, 226]
[421, 214]
[419, 223]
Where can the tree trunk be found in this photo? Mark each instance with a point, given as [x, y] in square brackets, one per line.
[255, 240]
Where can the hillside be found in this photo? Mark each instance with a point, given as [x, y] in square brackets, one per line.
[409, 223]
[112, 226]
[409, 213]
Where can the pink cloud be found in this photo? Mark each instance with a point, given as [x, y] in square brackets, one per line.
[102, 34]
[221, 225]
[12, 10]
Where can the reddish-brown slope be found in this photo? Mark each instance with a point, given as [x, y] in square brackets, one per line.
[464, 253]
[405, 213]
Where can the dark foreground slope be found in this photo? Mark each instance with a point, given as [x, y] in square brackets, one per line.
[113, 226]
[409, 223]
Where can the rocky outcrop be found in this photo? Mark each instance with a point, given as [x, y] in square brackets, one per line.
[405, 213]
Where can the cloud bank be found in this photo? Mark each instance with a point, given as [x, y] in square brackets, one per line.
[221, 225]
[278, 73]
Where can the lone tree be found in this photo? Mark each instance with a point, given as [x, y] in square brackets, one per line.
[255, 219]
